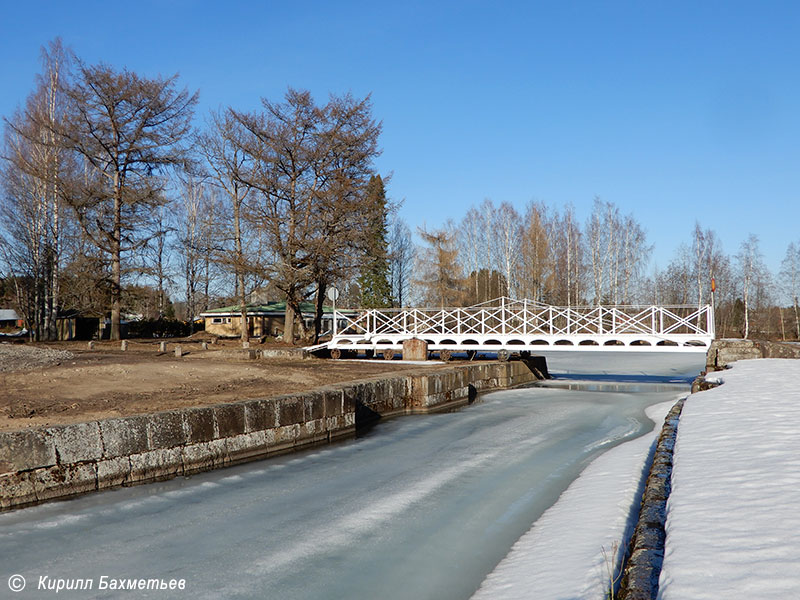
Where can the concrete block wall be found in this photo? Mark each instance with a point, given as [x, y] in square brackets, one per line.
[41, 464]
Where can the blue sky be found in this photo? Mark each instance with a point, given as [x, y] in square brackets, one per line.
[675, 111]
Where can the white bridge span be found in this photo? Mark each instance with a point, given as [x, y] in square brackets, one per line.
[505, 326]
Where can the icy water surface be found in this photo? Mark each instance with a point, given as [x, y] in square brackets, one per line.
[420, 507]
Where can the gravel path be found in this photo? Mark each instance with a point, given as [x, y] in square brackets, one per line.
[16, 357]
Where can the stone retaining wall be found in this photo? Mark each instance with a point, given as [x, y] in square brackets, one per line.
[725, 351]
[37, 465]
[646, 550]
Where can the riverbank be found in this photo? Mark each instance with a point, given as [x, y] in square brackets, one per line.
[47, 463]
[732, 512]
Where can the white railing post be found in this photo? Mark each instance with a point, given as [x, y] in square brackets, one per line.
[503, 316]
[525, 317]
[711, 329]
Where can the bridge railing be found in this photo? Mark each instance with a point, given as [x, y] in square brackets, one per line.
[525, 318]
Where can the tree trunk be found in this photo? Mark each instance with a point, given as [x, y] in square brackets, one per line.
[322, 287]
[244, 331]
[796, 318]
[239, 265]
[288, 323]
[116, 262]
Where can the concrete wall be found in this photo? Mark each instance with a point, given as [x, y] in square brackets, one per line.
[37, 465]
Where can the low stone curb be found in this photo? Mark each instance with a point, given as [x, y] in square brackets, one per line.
[646, 550]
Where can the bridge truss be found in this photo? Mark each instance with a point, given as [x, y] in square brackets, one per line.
[505, 326]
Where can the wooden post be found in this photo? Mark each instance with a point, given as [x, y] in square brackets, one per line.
[162, 346]
[178, 352]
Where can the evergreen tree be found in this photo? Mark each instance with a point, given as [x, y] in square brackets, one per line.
[376, 292]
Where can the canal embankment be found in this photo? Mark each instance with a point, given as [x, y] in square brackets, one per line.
[49, 463]
[658, 515]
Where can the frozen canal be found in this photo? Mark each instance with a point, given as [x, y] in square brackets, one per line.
[420, 507]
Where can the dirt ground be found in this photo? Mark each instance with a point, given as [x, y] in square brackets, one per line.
[56, 383]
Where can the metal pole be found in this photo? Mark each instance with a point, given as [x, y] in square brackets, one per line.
[334, 315]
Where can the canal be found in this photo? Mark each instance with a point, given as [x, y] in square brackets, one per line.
[418, 507]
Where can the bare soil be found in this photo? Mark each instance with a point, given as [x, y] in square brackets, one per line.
[58, 383]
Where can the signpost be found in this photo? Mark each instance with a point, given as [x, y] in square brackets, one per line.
[333, 294]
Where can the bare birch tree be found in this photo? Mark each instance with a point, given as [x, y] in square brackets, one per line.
[790, 277]
[507, 237]
[401, 260]
[33, 173]
[754, 278]
[601, 233]
[566, 241]
[470, 237]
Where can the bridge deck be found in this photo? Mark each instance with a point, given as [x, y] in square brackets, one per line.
[522, 325]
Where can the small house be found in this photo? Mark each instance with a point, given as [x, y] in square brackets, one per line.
[262, 319]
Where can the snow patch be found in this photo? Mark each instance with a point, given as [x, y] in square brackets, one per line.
[732, 515]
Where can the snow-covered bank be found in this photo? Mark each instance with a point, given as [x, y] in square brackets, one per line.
[732, 517]
[562, 556]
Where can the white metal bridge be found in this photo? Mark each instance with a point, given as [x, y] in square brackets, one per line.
[505, 326]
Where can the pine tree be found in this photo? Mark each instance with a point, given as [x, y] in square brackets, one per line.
[376, 292]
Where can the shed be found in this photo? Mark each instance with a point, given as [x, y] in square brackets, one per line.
[9, 319]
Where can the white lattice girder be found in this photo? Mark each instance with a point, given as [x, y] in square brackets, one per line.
[506, 322]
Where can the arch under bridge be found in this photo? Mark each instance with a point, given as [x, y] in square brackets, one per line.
[506, 326]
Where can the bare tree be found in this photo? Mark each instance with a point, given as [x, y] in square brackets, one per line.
[536, 268]
[790, 276]
[602, 241]
[754, 278]
[440, 276]
[310, 166]
[221, 145]
[401, 259]
[197, 218]
[124, 129]
[469, 239]
[566, 243]
[507, 237]
[32, 175]
[156, 256]
[675, 282]
[634, 253]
